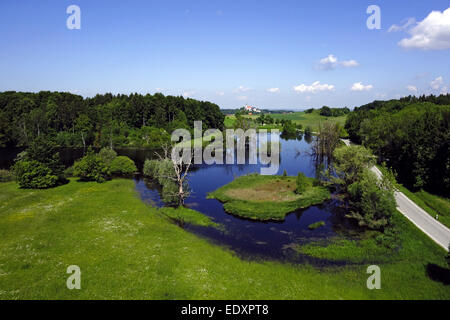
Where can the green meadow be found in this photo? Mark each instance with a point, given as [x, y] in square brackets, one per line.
[311, 120]
[129, 250]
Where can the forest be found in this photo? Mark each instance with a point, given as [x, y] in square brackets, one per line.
[411, 135]
[70, 120]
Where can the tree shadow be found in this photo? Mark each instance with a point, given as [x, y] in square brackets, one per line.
[438, 273]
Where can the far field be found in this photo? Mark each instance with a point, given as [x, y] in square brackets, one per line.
[305, 119]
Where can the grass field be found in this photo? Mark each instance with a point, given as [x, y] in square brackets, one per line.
[432, 204]
[305, 119]
[260, 197]
[128, 250]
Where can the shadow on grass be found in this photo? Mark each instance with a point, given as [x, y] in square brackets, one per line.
[438, 273]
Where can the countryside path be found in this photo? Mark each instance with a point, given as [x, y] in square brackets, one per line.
[429, 225]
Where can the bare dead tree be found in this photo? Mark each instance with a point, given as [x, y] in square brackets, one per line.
[178, 174]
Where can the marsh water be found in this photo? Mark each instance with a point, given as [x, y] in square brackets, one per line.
[258, 239]
[249, 239]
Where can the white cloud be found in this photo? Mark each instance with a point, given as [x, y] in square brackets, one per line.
[328, 63]
[331, 62]
[188, 94]
[411, 88]
[349, 63]
[242, 89]
[432, 33]
[436, 83]
[409, 22]
[220, 93]
[358, 86]
[315, 87]
[274, 90]
[242, 98]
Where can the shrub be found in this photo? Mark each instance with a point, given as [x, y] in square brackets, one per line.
[372, 202]
[44, 151]
[302, 183]
[34, 175]
[150, 168]
[289, 129]
[160, 170]
[6, 175]
[107, 155]
[170, 192]
[69, 172]
[165, 171]
[122, 165]
[308, 130]
[91, 168]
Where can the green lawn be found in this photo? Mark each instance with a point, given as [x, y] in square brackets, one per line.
[305, 119]
[128, 250]
[260, 197]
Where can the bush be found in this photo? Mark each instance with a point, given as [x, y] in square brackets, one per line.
[289, 129]
[91, 168]
[372, 202]
[160, 170]
[150, 168]
[107, 155]
[169, 192]
[68, 172]
[6, 175]
[34, 175]
[308, 130]
[302, 183]
[122, 165]
[44, 151]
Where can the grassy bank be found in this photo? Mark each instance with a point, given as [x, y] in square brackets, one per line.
[260, 197]
[186, 215]
[432, 204]
[127, 250]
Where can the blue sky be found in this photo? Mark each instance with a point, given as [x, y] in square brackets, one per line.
[264, 53]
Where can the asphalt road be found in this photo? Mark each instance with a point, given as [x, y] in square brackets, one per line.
[421, 219]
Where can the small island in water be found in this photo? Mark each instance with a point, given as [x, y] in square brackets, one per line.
[265, 198]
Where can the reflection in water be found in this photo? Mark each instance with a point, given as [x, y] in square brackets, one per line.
[250, 239]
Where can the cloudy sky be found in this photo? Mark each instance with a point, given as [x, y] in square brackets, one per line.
[270, 54]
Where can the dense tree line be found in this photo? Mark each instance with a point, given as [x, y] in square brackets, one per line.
[333, 112]
[104, 120]
[411, 135]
